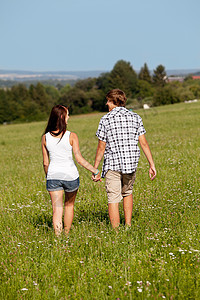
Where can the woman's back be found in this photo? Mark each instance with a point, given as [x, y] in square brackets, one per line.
[61, 165]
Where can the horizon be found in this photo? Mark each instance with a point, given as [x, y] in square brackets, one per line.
[28, 75]
[89, 70]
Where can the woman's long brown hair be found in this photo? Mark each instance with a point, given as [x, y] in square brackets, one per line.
[57, 120]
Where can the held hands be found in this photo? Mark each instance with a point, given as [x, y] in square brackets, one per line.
[96, 177]
[152, 172]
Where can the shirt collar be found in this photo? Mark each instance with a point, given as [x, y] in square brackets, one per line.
[115, 110]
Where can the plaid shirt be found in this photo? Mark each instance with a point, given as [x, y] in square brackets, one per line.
[120, 129]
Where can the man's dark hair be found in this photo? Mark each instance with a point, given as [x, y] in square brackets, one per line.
[117, 96]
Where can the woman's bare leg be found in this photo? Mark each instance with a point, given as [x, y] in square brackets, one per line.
[57, 205]
[69, 210]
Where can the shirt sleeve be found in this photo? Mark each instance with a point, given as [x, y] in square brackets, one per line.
[101, 131]
[141, 129]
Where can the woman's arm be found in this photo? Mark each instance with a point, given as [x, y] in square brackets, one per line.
[45, 155]
[73, 139]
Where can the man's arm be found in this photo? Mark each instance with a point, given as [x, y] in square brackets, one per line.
[99, 155]
[145, 147]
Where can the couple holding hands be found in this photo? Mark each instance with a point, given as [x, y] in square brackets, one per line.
[118, 133]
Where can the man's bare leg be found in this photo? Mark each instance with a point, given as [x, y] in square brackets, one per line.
[128, 209]
[113, 210]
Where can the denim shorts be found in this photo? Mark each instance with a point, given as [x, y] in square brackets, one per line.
[57, 185]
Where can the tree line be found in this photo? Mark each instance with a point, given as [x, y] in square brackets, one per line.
[33, 103]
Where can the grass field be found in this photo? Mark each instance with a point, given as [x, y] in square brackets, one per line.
[158, 258]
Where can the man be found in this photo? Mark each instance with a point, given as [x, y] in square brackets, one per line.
[119, 132]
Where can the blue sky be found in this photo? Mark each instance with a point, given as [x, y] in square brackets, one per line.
[74, 35]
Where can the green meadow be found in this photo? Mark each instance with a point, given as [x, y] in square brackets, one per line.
[157, 258]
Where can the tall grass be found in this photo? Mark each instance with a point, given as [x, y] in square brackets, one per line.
[158, 257]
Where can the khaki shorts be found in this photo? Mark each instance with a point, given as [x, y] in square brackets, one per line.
[119, 185]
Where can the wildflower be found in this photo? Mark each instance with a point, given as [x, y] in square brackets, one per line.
[24, 289]
[139, 290]
[110, 287]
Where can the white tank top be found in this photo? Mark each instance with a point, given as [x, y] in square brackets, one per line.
[61, 165]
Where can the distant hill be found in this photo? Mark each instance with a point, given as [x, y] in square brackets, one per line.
[9, 78]
[183, 72]
[58, 75]
[14, 77]
[196, 74]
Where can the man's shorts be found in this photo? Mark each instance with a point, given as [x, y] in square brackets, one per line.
[119, 185]
[67, 186]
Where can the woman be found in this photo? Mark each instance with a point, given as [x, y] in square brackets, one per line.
[59, 167]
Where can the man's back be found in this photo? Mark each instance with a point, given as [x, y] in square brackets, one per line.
[120, 129]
